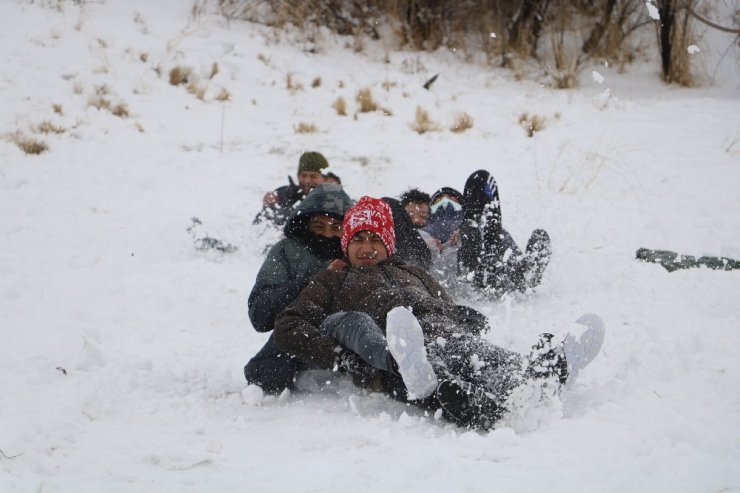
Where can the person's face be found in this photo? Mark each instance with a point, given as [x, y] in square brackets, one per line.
[418, 212]
[323, 225]
[366, 248]
[307, 180]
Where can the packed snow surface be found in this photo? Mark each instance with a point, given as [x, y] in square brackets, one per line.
[122, 345]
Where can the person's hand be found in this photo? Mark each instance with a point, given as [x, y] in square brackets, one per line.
[455, 238]
[438, 245]
[337, 264]
[270, 198]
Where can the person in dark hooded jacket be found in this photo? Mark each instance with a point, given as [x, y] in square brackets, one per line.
[278, 205]
[311, 243]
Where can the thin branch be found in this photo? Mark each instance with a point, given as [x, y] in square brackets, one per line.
[710, 23]
[9, 458]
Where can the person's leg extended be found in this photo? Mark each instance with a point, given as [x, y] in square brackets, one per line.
[359, 333]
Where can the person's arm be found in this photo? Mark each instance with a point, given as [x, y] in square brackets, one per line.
[297, 327]
[274, 289]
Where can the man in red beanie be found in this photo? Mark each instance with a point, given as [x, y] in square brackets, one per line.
[434, 345]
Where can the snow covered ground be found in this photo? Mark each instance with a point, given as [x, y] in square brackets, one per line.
[122, 346]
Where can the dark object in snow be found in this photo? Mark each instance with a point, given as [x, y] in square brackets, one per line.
[672, 261]
[205, 243]
[429, 83]
[62, 370]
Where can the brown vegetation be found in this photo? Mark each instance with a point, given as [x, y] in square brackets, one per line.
[423, 123]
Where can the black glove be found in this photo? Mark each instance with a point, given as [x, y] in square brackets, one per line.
[363, 375]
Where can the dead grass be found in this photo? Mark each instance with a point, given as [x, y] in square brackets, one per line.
[305, 128]
[223, 95]
[47, 127]
[57, 108]
[263, 58]
[180, 75]
[531, 124]
[197, 90]
[138, 126]
[100, 102]
[214, 70]
[29, 145]
[120, 110]
[291, 84]
[144, 57]
[423, 123]
[365, 100]
[462, 122]
[316, 82]
[340, 105]
[102, 90]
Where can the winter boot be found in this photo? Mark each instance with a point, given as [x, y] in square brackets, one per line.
[406, 344]
[536, 258]
[547, 361]
[467, 405]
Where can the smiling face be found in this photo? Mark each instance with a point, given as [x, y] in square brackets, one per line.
[366, 248]
[324, 225]
[307, 180]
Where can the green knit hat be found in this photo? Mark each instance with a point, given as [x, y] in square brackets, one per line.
[312, 161]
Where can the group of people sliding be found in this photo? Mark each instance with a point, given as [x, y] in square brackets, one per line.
[363, 288]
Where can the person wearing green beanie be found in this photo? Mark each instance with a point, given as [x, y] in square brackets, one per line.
[278, 204]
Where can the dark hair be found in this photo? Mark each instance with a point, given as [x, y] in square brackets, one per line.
[414, 195]
[332, 175]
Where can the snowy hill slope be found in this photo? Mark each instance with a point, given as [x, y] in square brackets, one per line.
[122, 345]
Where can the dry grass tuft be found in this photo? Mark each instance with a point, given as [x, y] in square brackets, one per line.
[531, 124]
[316, 82]
[388, 85]
[305, 128]
[144, 57]
[100, 103]
[57, 108]
[179, 75]
[463, 122]
[120, 110]
[197, 90]
[292, 85]
[102, 90]
[47, 127]
[340, 105]
[27, 144]
[365, 99]
[223, 95]
[263, 58]
[214, 70]
[422, 123]
[139, 127]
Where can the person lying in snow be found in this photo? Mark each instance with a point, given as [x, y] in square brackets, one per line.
[472, 246]
[278, 205]
[434, 345]
[311, 242]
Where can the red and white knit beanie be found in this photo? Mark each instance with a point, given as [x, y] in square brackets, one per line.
[372, 215]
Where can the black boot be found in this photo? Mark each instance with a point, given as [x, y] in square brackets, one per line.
[536, 259]
[547, 361]
[467, 405]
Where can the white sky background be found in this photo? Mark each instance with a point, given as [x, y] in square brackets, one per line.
[99, 277]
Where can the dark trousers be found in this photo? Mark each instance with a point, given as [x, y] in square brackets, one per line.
[273, 369]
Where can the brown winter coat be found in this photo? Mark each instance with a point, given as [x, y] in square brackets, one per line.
[374, 290]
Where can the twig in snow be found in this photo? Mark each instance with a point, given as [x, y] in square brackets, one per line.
[11, 457]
